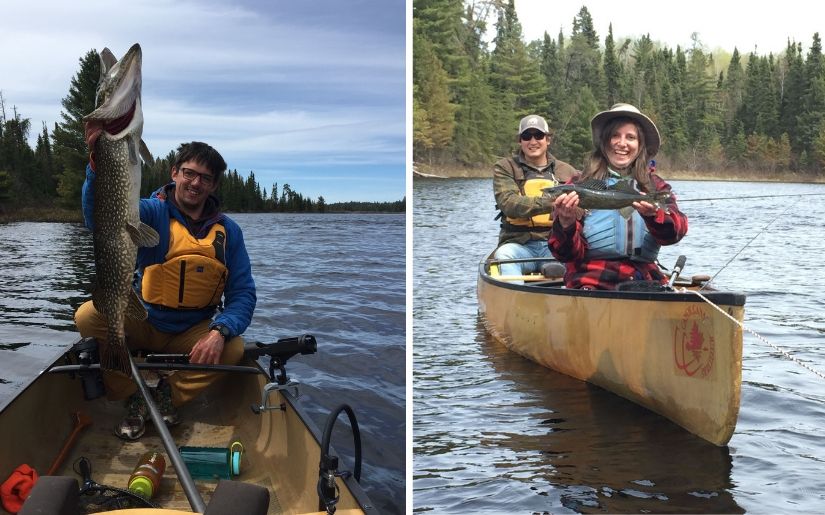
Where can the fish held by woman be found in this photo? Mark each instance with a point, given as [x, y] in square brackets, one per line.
[113, 131]
[596, 194]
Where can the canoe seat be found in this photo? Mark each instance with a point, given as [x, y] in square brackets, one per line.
[553, 269]
[234, 497]
[52, 495]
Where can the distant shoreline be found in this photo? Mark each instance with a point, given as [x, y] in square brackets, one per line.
[60, 215]
[461, 172]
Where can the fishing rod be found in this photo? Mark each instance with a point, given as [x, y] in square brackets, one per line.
[749, 196]
[749, 242]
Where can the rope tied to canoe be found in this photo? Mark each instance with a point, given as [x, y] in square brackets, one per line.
[757, 335]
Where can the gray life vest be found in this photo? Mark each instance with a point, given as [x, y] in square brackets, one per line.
[610, 235]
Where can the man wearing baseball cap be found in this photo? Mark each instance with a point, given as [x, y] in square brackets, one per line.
[517, 184]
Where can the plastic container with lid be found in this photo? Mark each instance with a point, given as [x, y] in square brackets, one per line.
[145, 479]
[212, 463]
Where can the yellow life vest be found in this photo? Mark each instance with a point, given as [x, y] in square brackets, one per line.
[532, 188]
[193, 275]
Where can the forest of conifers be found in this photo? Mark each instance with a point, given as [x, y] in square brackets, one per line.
[716, 111]
[52, 174]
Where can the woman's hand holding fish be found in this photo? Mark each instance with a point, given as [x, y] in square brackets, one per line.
[566, 209]
[645, 208]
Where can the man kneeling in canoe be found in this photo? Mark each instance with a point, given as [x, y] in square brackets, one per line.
[196, 240]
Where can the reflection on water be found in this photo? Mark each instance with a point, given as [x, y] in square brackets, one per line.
[496, 433]
[589, 436]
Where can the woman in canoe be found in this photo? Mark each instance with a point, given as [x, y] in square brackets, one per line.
[602, 248]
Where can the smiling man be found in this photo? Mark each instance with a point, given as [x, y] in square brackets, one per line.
[200, 265]
[517, 184]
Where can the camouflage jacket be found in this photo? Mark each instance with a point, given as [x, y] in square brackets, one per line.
[509, 176]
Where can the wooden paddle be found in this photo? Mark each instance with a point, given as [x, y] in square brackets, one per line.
[81, 421]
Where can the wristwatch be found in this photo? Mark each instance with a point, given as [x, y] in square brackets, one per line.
[223, 330]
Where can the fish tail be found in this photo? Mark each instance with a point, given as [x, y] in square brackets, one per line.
[115, 357]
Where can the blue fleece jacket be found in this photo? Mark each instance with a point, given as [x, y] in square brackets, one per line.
[239, 296]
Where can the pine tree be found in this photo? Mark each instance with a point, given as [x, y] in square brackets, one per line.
[612, 69]
[583, 58]
[733, 91]
[574, 142]
[44, 166]
[550, 68]
[70, 152]
[517, 85]
[812, 110]
[434, 110]
[790, 95]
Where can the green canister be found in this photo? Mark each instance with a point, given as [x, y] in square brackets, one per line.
[211, 463]
[145, 479]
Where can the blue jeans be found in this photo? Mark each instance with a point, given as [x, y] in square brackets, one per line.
[532, 248]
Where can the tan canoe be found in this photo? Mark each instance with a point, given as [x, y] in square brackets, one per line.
[282, 445]
[670, 352]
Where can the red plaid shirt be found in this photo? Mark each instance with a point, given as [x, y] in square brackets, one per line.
[569, 246]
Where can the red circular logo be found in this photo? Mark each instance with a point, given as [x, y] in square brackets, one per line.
[693, 343]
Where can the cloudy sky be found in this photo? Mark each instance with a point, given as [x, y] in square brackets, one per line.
[306, 93]
[760, 25]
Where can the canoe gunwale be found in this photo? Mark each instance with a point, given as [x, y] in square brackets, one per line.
[551, 287]
[653, 362]
[249, 368]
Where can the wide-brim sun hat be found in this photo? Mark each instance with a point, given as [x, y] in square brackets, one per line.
[651, 133]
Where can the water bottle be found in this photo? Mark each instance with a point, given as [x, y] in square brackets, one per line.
[145, 479]
[212, 463]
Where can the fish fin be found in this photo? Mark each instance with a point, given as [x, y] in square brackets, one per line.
[145, 154]
[107, 60]
[625, 187]
[114, 356]
[142, 235]
[134, 308]
[626, 212]
[592, 184]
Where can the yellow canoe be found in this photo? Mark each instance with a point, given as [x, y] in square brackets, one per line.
[669, 351]
[282, 446]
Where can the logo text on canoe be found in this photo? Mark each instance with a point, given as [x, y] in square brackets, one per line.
[693, 343]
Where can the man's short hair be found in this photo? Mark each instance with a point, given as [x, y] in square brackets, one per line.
[203, 154]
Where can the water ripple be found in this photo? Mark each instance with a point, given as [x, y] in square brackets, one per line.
[496, 433]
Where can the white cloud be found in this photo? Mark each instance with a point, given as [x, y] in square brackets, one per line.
[266, 83]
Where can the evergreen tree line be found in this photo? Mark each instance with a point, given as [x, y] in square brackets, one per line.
[52, 174]
[753, 113]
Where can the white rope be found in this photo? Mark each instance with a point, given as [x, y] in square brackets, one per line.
[758, 336]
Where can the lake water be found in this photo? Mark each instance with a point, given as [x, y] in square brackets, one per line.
[496, 433]
[340, 277]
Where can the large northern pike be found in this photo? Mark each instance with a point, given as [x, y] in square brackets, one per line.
[596, 194]
[115, 127]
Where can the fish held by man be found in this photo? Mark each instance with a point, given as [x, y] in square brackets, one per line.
[113, 131]
[596, 194]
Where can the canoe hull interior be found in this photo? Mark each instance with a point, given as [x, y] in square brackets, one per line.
[679, 357]
[282, 446]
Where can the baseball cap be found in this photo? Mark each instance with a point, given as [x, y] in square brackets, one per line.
[533, 121]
